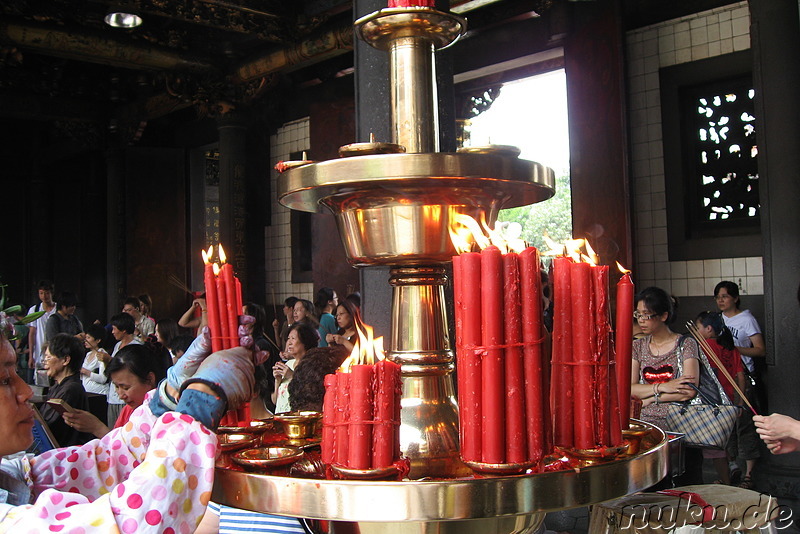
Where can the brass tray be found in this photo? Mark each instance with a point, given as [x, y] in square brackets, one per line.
[444, 500]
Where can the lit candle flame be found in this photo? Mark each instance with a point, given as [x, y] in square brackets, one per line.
[367, 350]
[622, 269]
[466, 230]
[215, 268]
[222, 257]
[205, 257]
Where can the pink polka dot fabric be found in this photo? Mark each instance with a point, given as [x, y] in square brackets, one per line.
[152, 475]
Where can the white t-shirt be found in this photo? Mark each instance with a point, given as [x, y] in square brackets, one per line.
[282, 402]
[113, 398]
[41, 335]
[742, 326]
[96, 382]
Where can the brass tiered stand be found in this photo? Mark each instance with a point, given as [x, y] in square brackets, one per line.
[396, 210]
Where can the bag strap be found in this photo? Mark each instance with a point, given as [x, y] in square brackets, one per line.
[701, 357]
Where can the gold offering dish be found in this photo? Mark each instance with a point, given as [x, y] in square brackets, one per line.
[256, 426]
[499, 150]
[267, 457]
[382, 473]
[299, 425]
[373, 147]
[234, 442]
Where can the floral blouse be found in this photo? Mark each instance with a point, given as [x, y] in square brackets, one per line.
[657, 369]
[151, 475]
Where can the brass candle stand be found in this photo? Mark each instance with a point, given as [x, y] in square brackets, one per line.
[396, 209]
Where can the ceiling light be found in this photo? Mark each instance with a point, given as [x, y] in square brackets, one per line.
[123, 16]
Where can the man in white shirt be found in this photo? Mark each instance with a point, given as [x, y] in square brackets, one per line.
[143, 326]
[37, 335]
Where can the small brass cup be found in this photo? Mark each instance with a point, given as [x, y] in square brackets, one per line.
[299, 425]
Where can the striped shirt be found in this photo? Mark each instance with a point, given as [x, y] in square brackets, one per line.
[236, 520]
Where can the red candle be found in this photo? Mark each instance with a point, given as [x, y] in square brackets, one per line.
[222, 305]
[329, 418]
[212, 306]
[231, 300]
[360, 435]
[516, 442]
[623, 344]
[531, 306]
[601, 387]
[561, 392]
[583, 331]
[342, 417]
[493, 384]
[386, 432]
[469, 360]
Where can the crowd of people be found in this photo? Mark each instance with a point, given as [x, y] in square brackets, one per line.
[121, 381]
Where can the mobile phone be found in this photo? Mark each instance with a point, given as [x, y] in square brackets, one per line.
[60, 405]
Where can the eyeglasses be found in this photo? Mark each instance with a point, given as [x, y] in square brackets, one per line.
[644, 316]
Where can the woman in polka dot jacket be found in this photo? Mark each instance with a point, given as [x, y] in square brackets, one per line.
[152, 475]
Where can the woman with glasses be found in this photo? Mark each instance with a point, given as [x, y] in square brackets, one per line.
[655, 371]
[664, 364]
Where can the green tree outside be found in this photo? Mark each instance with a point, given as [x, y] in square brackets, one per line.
[553, 216]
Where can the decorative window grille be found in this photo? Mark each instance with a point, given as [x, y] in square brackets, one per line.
[211, 207]
[720, 131]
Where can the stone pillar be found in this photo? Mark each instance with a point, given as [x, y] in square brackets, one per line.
[232, 173]
[775, 37]
[116, 237]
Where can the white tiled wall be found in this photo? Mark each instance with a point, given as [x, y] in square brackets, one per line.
[699, 36]
[291, 137]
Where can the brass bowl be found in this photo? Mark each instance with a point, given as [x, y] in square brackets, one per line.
[299, 425]
[234, 442]
[267, 457]
[389, 472]
[500, 469]
[504, 150]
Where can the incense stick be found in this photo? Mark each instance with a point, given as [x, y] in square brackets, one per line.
[175, 281]
[713, 357]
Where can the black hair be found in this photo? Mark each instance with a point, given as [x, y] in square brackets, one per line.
[180, 343]
[324, 296]
[147, 302]
[257, 312]
[657, 301]
[97, 332]
[133, 301]
[47, 285]
[307, 388]
[169, 330]
[137, 359]
[306, 334]
[355, 298]
[63, 345]
[354, 313]
[311, 313]
[717, 323]
[291, 301]
[67, 299]
[731, 287]
[123, 322]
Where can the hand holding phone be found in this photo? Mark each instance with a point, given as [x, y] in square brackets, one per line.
[60, 405]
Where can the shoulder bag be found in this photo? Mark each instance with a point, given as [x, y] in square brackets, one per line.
[705, 420]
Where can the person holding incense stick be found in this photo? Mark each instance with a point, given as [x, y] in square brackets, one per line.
[711, 326]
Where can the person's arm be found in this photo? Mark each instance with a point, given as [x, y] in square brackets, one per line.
[759, 348]
[188, 319]
[84, 421]
[152, 456]
[31, 345]
[210, 522]
[741, 381]
[51, 327]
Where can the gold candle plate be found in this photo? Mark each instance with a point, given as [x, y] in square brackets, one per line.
[380, 473]
[234, 442]
[633, 435]
[590, 457]
[267, 457]
[256, 426]
[500, 469]
[502, 150]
